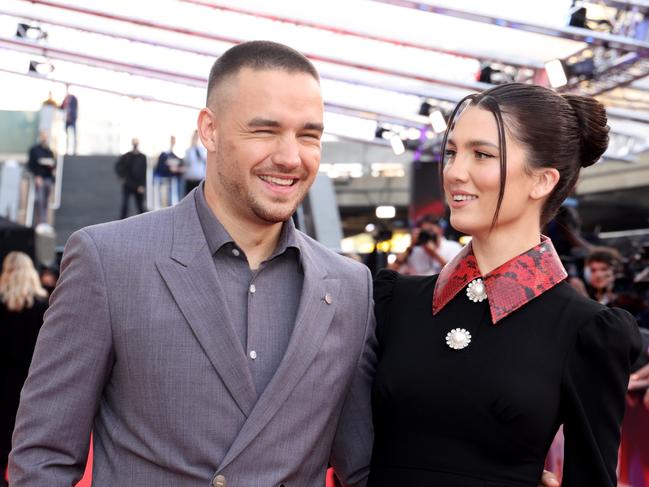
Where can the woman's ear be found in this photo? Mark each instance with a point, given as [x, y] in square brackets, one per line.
[546, 180]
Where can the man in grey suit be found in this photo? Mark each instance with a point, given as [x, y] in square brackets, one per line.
[210, 343]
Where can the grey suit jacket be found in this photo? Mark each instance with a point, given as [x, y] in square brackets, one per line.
[138, 347]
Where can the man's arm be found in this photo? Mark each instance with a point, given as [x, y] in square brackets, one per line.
[72, 360]
[352, 448]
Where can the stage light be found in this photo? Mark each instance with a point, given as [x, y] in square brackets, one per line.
[556, 73]
[386, 212]
[437, 121]
[425, 108]
[26, 31]
[40, 68]
[370, 227]
[397, 145]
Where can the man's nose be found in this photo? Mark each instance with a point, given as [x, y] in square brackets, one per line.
[287, 153]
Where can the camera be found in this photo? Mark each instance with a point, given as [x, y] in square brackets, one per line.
[425, 237]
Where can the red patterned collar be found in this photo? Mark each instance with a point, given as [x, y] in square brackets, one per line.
[508, 287]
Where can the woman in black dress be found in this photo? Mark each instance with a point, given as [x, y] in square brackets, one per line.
[480, 365]
[22, 305]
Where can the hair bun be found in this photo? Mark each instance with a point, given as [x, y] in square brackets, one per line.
[591, 115]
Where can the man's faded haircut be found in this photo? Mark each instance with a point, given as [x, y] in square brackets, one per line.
[258, 55]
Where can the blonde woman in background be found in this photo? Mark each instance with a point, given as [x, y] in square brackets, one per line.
[23, 302]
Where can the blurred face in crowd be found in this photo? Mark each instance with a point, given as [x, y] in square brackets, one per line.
[263, 132]
[601, 275]
[43, 138]
[472, 177]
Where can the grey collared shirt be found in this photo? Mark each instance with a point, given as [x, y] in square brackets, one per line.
[262, 303]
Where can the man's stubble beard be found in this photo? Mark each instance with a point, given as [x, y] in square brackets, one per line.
[246, 198]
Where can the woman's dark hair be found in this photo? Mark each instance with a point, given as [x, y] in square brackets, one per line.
[564, 132]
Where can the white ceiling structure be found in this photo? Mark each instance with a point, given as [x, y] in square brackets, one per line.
[379, 60]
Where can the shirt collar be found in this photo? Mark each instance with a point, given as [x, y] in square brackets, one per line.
[508, 287]
[217, 236]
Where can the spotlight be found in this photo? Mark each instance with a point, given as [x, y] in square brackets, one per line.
[40, 68]
[26, 31]
[386, 212]
[425, 108]
[381, 132]
[397, 145]
[559, 72]
[556, 73]
[437, 121]
[370, 227]
[486, 72]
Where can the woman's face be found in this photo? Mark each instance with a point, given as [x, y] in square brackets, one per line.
[472, 176]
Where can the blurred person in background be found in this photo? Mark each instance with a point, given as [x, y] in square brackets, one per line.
[131, 171]
[195, 160]
[71, 107]
[602, 265]
[429, 251]
[473, 393]
[47, 113]
[22, 304]
[49, 276]
[41, 164]
[171, 167]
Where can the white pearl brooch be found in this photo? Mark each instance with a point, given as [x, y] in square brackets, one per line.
[476, 291]
[458, 338]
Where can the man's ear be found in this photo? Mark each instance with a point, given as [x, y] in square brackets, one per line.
[546, 180]
[207, 129]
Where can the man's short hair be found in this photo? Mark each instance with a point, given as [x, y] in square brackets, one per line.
[258, 55]
[605, 255]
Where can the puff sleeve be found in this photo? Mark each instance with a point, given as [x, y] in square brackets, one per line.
[593, 393]
[383, 290]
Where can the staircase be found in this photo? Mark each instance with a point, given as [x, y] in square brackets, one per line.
[90, 194]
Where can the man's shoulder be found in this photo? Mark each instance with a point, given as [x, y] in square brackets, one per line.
[145, 231]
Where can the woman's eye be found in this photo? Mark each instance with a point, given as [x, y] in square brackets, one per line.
[482, 155]
[448, 153]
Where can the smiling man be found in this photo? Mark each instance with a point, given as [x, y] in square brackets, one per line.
[212, 342]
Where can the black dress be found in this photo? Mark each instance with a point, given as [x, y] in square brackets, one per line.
[486, 415]
[18, 334]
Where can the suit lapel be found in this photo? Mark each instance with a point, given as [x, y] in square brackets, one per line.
[311, 325]
[192, 280]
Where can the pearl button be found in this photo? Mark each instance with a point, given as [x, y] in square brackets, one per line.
[253, 354]
[236, 252]
[252, 289]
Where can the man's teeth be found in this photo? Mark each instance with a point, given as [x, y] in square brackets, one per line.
[278, 181]
[464, 197]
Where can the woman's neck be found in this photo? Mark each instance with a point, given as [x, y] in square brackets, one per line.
[496, 248]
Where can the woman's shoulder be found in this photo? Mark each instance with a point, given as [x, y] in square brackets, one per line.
[598, 328]
[387, 283]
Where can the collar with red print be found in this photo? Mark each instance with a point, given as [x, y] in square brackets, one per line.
[508, 287]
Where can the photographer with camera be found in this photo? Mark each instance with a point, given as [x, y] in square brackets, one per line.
[429, 251]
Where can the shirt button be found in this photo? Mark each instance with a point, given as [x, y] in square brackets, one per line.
[219, 481]
[252, 289]
[253, 354]
[236, 252]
